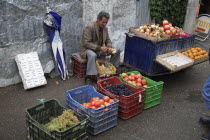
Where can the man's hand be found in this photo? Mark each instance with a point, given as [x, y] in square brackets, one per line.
[109, 50]
[104, 48]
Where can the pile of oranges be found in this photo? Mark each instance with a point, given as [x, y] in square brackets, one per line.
[196, 53]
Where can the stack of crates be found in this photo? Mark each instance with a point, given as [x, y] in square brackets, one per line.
[129, 106]
[79, 67]
[153, 93]
[41, 114]
[100, 119]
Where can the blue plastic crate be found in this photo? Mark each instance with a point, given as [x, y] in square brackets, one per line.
[141, 52]
[97, 117]
[104, 121]
[102, 128]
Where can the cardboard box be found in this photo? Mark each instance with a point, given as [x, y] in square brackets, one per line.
[174, 61]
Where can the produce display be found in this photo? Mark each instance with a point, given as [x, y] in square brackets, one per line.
[135, 79]
[66, 120]
[155, 30]
[96, 102]
[195, 53]
[119, 89]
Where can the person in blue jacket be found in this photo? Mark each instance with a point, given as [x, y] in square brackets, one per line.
[206, 95]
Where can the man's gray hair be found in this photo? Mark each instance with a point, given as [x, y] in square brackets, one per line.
[103, 14]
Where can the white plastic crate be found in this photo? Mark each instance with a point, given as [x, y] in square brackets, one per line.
[30, 70]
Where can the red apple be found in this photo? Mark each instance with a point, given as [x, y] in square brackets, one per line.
[170, 24]
[174, 32]
[167, 27]
[172, 28]
[167, 32]
[165, 22]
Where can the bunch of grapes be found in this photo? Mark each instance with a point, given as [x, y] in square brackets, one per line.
[64, 121]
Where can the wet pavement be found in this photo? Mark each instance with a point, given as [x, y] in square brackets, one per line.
[176, 118]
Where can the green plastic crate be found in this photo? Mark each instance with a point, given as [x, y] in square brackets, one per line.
[152, 103]
[40, 114]
[152, 92]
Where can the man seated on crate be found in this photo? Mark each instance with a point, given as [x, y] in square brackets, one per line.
[96, 43]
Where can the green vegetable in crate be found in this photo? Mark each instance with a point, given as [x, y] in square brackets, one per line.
[62, 122]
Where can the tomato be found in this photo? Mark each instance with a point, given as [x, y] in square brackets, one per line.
[136, 76]
[139, 75]
[143, 82]
[111, 101]
[139, 80]
[106, 109]
[124, 75]
[84, 104]
[97, 104]
[132, 74]
[93, 107]
[95, 98]
[101, 101]
[106, 98]
[130, 77]
[130, 82]
[88, 105]
[106, 103]
[102, 106]
[93, 103]
[126, 79]
[139, 84]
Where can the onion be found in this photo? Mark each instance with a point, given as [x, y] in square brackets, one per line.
[142, 31]
[141, 27]
[153, 26]
[161, 29]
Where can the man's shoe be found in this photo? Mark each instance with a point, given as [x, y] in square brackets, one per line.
[205, 120]
[206, 136]
[88, 81]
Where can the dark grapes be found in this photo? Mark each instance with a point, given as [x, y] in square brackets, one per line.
[119, 89]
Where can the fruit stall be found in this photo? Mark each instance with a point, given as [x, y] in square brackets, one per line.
[93, 110]
[155, 50]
